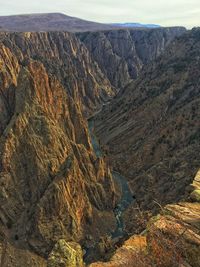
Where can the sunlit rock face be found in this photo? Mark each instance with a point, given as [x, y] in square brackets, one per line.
[65, 57]
[121, 54]
[52, 184]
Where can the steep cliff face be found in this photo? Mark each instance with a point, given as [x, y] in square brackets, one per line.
[64, 56]
[52, 184]
[152, 128]
[121, 54]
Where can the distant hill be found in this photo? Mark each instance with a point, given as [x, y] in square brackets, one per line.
[136, 25]
[58, 22]
[49, 22]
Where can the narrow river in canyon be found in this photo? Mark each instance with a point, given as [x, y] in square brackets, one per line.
[126, 196]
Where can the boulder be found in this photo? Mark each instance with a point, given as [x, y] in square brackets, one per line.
[195, 195]
[66, 254]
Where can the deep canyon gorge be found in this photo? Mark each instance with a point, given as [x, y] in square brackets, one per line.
[99, 147]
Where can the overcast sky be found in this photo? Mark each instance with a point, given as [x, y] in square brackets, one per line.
[163, 12]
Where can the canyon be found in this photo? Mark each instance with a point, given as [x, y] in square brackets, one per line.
[97, 128]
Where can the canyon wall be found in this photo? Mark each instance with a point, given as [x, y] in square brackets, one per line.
[151, 129]
[121, 54]
[64, 56]
[52, 184]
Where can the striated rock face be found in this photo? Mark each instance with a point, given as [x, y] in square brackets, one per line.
[121, 54]
[152, 128]
[52, 186]
[64, 56]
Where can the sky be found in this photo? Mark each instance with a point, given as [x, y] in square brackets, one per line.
[163, 12]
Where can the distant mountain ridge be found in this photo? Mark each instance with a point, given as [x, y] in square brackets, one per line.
[57, 22]
[49, 22]
[136, 25]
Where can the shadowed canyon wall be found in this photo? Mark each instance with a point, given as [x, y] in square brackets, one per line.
[151, 130]
[121, 54]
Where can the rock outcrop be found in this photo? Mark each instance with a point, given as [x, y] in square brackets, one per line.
[171, 239]
[121, 54]
[66, 254]
[195, 194]
[151, 129]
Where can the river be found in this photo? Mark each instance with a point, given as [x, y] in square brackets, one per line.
[126, 196]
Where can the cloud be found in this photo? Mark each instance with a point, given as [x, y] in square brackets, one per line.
[164, 12]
